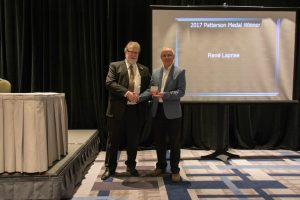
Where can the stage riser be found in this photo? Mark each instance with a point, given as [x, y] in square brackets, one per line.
[60, 184]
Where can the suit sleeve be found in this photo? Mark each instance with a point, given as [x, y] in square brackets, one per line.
[114, 82]
[145, 92]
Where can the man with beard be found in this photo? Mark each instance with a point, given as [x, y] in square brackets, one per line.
[127, 82]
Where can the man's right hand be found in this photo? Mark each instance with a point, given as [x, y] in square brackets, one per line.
[132, 97]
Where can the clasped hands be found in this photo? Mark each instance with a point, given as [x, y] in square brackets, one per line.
[157, 94]
[132, 97]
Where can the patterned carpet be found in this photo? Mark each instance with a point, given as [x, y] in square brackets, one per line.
[257, 174]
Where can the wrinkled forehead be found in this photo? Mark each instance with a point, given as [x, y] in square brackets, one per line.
[166, 52]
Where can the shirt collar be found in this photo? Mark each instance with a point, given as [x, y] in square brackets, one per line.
[128, 64]
[168, 69]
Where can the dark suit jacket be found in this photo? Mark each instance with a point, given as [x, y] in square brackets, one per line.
[117, 81]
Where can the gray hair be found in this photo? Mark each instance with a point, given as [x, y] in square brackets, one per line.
[132, 44]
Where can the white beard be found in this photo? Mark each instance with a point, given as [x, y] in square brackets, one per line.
[131, 61]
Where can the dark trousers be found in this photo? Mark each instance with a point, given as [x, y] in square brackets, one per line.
[119, 130]
[167, 131]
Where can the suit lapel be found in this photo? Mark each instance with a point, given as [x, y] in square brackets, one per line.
[141, 71]
[160, 78]
[140, 68]
[124, 74]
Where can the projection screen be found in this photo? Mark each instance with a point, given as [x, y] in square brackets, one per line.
[229, 55]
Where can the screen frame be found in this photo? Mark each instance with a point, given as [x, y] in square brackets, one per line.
[225, 7]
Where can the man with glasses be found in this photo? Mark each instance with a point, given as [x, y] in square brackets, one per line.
[127, 82]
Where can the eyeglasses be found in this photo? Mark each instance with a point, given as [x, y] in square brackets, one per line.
[133, 52]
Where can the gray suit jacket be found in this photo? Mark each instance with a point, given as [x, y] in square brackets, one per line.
[117, 82]
[173, 91]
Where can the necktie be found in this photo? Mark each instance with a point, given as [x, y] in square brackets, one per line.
[131, 79]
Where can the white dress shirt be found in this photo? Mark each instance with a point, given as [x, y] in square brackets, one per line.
[137, 79]
[164, 79]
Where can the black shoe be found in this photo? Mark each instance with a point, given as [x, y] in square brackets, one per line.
[175, 177]
[156, 172]
[107, 174]
[132, 171]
